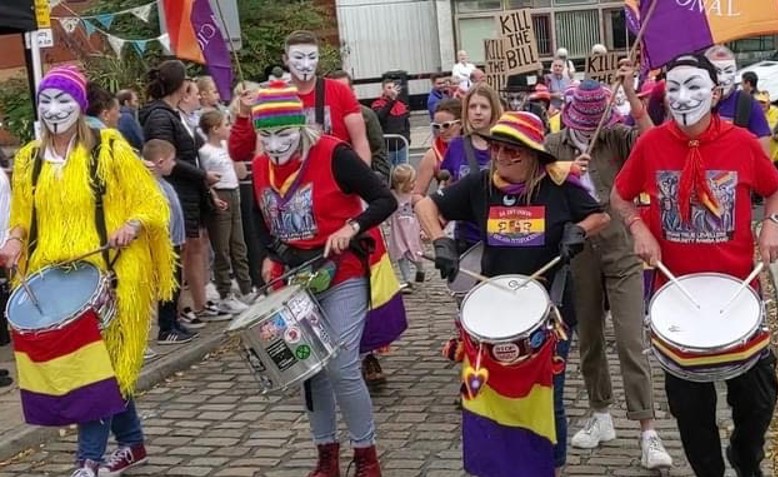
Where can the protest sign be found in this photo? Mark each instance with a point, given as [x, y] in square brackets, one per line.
[519, 44]
[602, 68]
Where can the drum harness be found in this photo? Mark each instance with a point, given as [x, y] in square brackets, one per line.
[98, 189]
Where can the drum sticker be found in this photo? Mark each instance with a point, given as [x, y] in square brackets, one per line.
[300, 306]
[281, 355]
[516, 226]
[272, 329]
[506, 352]
[292, 335]
[302, 352]
[537, 339]
[709, 223]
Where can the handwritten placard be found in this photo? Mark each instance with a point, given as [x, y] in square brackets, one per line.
[520, 46]
[496, 69]
[603, 68]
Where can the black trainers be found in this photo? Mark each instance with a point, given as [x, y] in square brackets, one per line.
[173, 337]
[737, 467]
[183, 329]
[5, 381]
[189, 319]
[420, 277]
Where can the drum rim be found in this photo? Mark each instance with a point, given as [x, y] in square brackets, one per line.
[473, 249]
[103, 283]
[294, 287]
[723, 374]
[507, 339]
[725, 347]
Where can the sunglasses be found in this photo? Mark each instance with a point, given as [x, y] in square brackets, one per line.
[444, 126]
[509, 153]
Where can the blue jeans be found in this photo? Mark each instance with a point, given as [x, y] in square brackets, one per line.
[93, 435]
[345, 306]
[398, 157]
[560, 449]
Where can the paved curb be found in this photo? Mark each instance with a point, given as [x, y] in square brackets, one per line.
[25, 436]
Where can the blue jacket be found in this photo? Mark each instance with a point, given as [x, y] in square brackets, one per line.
[130, 128]
[433, 99]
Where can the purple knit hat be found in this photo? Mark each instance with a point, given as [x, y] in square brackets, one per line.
[589, 102]
[68, 79]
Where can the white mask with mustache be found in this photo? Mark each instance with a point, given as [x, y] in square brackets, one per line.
[302, 61]
[689, 94]
[280, 145]
[726, 71]
[58, 110]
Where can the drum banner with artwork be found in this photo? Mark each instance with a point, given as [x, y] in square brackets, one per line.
[65, 375]
[508, 427]
[386, 320]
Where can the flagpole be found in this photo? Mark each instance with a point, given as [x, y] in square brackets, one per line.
[619, 81]
[232, 45]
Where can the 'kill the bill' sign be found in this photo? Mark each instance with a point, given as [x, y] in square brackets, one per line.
[515, 51]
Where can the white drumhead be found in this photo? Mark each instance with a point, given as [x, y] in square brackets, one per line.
[492, 314]
[676, 320]
[263, 307]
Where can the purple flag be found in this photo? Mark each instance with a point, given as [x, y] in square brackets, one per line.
[676, 27]
[214, 47]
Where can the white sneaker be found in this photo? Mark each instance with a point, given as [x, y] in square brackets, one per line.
[249, 298]
[598, 429]
[210, 292]
[232, 305]
[654, 455]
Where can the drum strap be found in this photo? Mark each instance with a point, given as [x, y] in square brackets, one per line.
[470, 155]
[98, 189]
[319, 109]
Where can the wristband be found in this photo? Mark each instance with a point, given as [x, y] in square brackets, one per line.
[631, 221]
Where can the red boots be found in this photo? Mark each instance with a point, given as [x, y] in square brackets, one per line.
[328, 463]
[366, 462]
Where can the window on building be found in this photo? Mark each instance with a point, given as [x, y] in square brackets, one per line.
[616, 30]
[577, 31]
[542, 26]
[472, 33]
[573, 2]
[469, 6]
[757, 44]
[512, 4]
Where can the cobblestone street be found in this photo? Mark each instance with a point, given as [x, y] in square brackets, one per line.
[211, 421]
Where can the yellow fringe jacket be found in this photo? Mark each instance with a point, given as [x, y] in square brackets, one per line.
[66, 229]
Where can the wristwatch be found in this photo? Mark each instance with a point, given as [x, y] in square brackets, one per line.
[772, 218]
[354, 225]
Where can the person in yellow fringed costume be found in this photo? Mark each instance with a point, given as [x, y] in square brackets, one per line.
[136, 217]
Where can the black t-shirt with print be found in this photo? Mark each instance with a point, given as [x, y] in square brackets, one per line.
[519, 238]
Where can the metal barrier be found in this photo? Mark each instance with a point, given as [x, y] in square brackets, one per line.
[401, 156]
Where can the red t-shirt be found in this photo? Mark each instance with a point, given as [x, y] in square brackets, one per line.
[735, 164]
[339, 102]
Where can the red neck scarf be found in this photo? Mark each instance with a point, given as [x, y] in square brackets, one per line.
[693, 185]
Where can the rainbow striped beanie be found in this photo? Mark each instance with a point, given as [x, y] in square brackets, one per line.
[277, 106]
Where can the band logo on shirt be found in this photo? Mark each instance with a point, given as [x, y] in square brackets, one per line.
[291, 218]
[704, 226]
[516, 226]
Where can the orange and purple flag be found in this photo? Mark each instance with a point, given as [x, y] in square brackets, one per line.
[195, 36]
[688, 26]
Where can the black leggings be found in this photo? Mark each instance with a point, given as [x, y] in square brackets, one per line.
[167, 311]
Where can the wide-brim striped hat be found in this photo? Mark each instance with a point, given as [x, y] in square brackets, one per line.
[589, 102]
[523, 129]
[277, 106]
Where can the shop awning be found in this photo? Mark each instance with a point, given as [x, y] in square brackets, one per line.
[17, 16]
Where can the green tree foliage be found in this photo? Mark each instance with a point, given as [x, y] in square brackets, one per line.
[17, 109]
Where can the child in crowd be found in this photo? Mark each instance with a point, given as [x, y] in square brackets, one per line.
[225, 227]
[160, 158]
[405, 232]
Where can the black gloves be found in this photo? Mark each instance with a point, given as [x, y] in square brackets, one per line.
[446, 257]
[572, 243]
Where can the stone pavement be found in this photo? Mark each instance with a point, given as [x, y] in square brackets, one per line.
[211, 421]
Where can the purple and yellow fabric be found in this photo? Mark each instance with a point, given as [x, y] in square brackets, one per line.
[66, 376]
[508, 427]
[386, 320]
[679, 27]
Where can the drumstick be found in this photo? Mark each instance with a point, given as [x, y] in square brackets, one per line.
[83, 256]
[477, 276]
[540, 272]
[684, 291]
[28, 290]
[742, 287]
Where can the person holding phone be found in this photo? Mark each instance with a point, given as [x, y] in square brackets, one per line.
[394, 116]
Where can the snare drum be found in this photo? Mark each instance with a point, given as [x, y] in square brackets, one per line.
[64, 294]
[703, 345]
[510, 327]
[285, 338]
[470, 260]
